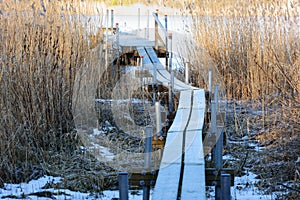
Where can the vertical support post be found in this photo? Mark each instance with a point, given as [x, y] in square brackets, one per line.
[218, 150]
[210, 81]
[147, 159]
[148, 18]
[123, 185]
[106, 40]
[148, 147]
[139, 18]
[112, 21]
[118, 39]
[186, 73]
[156, 31]
[225, 186]
[158, 119]
[166, 38]
[171, 90]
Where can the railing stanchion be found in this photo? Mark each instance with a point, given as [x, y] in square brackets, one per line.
[156, 31]
[148, 18]
[139, 18]
[106, 40]
[210, 81]
[158, 119]
[123, 185]
[186, 73]
[147, 159]
[166, 38]
[112, 21]
[225, 186]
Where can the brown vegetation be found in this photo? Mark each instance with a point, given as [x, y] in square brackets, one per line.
[43, 53]
[255, 50]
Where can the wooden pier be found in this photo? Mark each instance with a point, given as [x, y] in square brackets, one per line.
[182, 173]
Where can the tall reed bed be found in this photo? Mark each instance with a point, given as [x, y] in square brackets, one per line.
[255, 48]
[42, 50]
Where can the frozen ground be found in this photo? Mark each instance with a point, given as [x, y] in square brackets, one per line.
[243, 190]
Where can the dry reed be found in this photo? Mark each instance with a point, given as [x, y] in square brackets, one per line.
[44, 47]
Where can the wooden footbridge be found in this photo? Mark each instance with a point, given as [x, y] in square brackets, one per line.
[182, 173]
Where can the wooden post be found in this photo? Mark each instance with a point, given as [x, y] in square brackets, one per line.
[123, 185]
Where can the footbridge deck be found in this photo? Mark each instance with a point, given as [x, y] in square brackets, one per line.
[182, 169]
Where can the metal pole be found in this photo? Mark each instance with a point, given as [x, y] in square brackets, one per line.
[148, 147]
[171, 106]
[148, 18]
[123, 185]
[216, 95]
[187, 73]
[171, 62]
[225, 186]
[112, 21]
[210, 80]
[158, 119]
[218, 150]
[156, 31]
[166, 27]
[147, 159]
[170, 99]
[106, 40]
[118, 39]
[139, 18]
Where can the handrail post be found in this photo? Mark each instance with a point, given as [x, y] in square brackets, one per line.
[217, 151]
[158, 119]
[171, 90]
[166, 38]
[118, 39]
[139, 18]
[156, 31]
[210, 81]
[186, 73]
[148, 18]
[147, 159]
[123, 185]
[106, 40]
[225, 186]
[112, 21]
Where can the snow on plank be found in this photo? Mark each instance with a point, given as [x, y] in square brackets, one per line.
[167, 182]
[193, 183]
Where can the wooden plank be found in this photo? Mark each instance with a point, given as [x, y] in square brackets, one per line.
[194, 148]
[167, 182]
[142, 52]
[193, 183]
[199, 99]
[173, 149]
